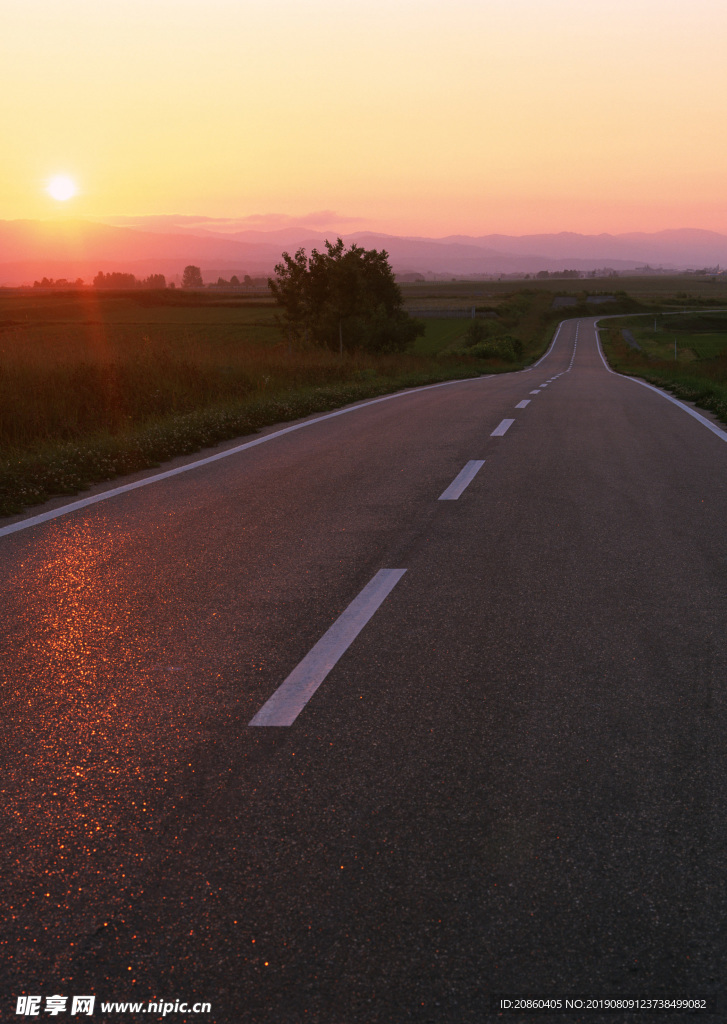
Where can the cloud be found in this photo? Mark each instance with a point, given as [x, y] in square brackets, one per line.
[318, 220]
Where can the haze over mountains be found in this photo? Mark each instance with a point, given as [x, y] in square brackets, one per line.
[31, 249]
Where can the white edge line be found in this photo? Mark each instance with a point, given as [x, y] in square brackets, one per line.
[502, 428]
[555, 338]
[722, 434]
[463, 478]
[45, 517]
[297, 689]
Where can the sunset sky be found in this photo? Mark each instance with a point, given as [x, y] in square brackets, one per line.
[471, 117]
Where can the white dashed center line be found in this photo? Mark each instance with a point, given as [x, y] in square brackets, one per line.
[575, 346]
[524, 404]
[536, 392]
[294, 693]
[502, 428]
[461, 480]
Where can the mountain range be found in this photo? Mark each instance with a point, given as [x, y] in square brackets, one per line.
[32, 249]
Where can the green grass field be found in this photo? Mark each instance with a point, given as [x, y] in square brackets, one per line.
[440, 335]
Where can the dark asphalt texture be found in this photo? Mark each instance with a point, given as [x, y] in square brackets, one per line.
[514, 780]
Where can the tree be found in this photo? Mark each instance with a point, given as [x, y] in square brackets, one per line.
[343, 298]
[192, 278]
[292, 290]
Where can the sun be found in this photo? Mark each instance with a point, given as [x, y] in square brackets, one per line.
[61, 188]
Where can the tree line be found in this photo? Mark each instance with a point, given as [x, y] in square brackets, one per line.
[59, 282]
[121, 281]
[192, 278]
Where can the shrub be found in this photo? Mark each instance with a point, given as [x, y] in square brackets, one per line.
[507, 348]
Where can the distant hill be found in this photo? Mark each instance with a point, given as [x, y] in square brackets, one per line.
[31, 249]
[683, 247]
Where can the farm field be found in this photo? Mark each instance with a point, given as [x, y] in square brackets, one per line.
[673, 290]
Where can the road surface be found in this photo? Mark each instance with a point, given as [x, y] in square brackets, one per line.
[498, 609]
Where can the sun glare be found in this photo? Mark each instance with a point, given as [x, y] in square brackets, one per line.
[61, 188]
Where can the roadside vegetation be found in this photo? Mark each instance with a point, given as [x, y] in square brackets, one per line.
[685, 354]
[98, 383]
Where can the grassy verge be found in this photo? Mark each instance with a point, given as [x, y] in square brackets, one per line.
[698, 374]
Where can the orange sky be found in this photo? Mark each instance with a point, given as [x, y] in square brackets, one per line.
[471, 117]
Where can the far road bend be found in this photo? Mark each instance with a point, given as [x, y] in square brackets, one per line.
[511, 777]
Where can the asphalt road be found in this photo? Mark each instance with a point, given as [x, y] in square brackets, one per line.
[512, 780]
